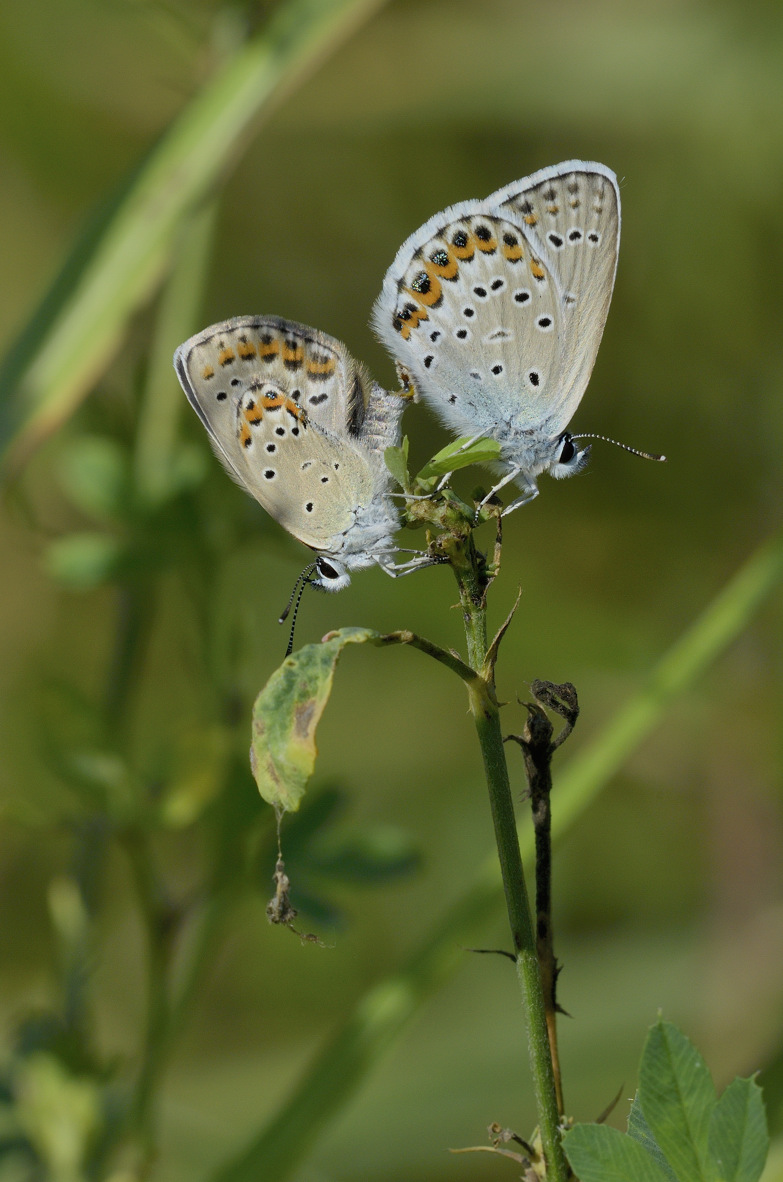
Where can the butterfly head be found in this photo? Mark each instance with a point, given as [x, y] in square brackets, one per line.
[329, 575]
[569, 459]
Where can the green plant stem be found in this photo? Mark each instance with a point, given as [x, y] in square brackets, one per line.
[403, 636]
[141, 1117]
[134, 622]
[202, 957]
[487, 720]
[472, 597]
[167, 1006]
[486, 717]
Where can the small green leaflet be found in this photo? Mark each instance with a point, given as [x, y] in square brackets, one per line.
[397, 462]
[452, 457]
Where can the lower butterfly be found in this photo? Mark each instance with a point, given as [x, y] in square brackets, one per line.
[299, 424]
[496, 309]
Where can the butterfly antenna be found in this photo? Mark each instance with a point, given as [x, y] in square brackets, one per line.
[646, 455]
[299, 586]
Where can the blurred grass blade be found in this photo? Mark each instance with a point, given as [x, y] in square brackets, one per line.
[336, 1075]
[157, 431]
[721, 623]
[75, 331]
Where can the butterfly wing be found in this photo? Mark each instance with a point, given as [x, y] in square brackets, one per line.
[497, 324]
[280, 403]
[571, 216]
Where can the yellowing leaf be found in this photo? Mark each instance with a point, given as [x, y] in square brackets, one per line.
[286, 714]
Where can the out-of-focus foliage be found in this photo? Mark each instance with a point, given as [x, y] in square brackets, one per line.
[142, 590]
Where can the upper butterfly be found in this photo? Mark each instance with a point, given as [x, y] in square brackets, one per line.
[496, 309]
[301, 426]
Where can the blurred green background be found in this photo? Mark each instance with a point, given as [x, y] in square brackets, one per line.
[135, 633]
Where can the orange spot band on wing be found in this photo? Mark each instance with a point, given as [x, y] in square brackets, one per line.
[464, 252]
[268, 349]
[537, 270]
[531, 219]
[317, 368]
[246, 349]
[208, 373]
[226, 355]
[406, 326]
[275, 401]
[447, 270]
[430, 291]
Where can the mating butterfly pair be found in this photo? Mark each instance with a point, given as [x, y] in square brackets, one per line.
[494, 308]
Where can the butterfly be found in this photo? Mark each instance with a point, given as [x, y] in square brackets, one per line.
[496, 308]
[300, 425]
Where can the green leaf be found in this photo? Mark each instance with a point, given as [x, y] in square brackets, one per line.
[678, 1098]
[371, 855]
[94, 472]
[738, 1137]
[286, 714]
[84, 560]
[455, 455]
[321, 809]
[201, 759]
[640, 1131]
[397, 462]
[600, 1154]
[59, 1112]
[103, 780]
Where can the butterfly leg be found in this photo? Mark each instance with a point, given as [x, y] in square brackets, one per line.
[510, 475]
[407, 568]
[530, 494]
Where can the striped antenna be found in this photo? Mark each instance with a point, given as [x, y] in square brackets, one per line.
[646, 455]
[299, 586]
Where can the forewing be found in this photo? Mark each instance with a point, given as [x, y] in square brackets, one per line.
[263, 426]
